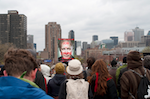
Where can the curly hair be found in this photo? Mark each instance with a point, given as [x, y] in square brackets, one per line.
[18, 61]
[100, 67]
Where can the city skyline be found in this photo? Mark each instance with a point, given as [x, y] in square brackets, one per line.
[98, 17]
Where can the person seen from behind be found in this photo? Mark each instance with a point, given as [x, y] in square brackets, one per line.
[39, 79]
[102, 84]
[112, 70]
[56, 81]
[90, 61]
[75, 87]
[130, 80]
[19, 74]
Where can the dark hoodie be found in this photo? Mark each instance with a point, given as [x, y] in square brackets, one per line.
[54, 84]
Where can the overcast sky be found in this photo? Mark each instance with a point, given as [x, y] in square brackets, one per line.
[104, 18]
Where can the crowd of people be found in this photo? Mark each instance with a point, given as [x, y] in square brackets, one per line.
[23, 77]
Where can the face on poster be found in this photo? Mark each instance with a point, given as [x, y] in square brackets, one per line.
[66, 50]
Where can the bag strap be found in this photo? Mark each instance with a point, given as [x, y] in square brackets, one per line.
[138, 73]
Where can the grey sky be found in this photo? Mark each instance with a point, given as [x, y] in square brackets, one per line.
[104, 18]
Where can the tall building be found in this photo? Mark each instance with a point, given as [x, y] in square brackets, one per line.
[115, 38]
[30, 44]
[138, 33]
[71, 34]
[52, 33]
[128, 35]
[95, 37]
[148, 33]
[84, 46]
[78, 47]
[13, 29]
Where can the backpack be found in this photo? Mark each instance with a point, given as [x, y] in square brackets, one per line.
[143, 91]
[77, 89]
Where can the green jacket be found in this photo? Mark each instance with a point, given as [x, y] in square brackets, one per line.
[118, 71]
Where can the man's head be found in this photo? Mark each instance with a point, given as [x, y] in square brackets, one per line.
[113, 63]
[125, 60]
[59, 68]
[147, 61]
[18, 61]
[66, 49]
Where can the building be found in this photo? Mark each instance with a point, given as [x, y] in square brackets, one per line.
[146, 40]
[78, 48]
[30, 44]
[95, 37]
[13, 29]
[138, 33]
[52, 33]
[128, 35]
[109, 43]
[71, 34]
[84, 46]
[115, 38]
[148, 33]
[130, 44]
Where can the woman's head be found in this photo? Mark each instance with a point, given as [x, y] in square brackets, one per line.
[74, 69]
[90, 61]
[100, 67]
[66, 48]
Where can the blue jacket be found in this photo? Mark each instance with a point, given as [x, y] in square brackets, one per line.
[12, 87]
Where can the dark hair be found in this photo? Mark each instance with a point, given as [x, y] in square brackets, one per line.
[100, 67]
[113, 63]
[90, 61]
[125, 60]
[18, 61]
[147, 61]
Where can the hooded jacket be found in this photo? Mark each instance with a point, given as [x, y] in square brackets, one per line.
[130, 81]
[46, 72]
[54, 84]
[14, 88]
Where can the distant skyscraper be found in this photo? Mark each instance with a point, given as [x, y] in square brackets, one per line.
[115, 40]
[52, 33]
[84, 46]
[148, 33]
[129, 35]
[78, 47]
[95, 37]
[138, 33]
[71, 34]
[30, 44]
[13, 29]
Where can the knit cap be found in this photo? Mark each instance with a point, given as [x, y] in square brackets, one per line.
[59, 68]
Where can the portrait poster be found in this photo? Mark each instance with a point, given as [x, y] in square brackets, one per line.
[65, 49]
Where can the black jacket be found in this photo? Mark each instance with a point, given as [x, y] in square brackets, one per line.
[54, 84]
[39, 80]
[63, 93]
[111, 92]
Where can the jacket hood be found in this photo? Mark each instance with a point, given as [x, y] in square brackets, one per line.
[58, 79]
[134, 60]
[11, 87]
[45, 70]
